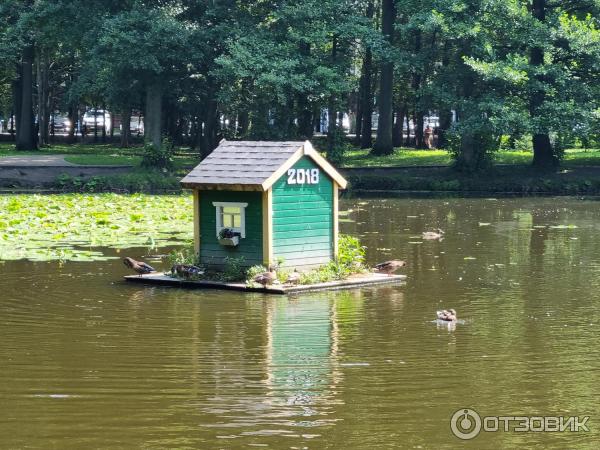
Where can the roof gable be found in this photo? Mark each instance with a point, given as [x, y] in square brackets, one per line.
[253, 165]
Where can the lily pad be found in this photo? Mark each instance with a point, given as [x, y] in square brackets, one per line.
[74, 227]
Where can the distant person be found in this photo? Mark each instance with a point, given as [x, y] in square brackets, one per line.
[428, 135]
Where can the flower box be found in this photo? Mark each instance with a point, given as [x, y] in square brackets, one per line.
[230, 241]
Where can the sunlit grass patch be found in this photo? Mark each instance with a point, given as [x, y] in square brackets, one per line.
[406, 157]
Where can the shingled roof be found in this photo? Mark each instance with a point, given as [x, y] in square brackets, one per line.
[252, 165]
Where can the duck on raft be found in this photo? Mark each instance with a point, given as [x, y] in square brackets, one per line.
[389, 267]
[265, 278]
[433, 235]
[186, 270]
[293, 278]
[138, 266]
[447, 315]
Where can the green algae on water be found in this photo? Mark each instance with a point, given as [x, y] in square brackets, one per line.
[75, 227]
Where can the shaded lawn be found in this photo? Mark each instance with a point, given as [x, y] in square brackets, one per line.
[107, 154]
[104, 160]
[99, 154]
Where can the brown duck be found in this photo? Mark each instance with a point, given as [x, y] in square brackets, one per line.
[447, 315]
[294, 277]
[265, 278]
[186, 270]
[390, 267]
[138, 266]
[433, 235]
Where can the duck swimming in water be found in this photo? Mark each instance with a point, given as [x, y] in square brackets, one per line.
[390, 267]
[138, 266]
[433, 235]
[447, 315]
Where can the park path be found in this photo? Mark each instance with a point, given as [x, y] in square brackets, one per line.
[35, 161]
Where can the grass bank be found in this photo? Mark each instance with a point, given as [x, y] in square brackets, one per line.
[407, 157]
[139, 179]
[519, 180]
[405, 170]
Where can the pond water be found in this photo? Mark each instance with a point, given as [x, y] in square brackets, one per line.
[87, 361]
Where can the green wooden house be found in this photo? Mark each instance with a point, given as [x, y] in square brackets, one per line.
[265, 201]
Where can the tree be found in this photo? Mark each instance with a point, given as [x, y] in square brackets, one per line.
[384, 143]
[144, 47]
[546, 54]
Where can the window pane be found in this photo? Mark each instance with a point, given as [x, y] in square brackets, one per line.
[232, 210]
[237, 221]
[227, 221]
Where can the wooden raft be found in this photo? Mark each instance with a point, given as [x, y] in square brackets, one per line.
[354, 281]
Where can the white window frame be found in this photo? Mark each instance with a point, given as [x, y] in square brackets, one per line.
[219, 210]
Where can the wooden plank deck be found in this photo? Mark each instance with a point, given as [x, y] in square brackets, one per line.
[354, 281]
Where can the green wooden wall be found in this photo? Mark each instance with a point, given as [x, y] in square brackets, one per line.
[250, 247]
[303, 219]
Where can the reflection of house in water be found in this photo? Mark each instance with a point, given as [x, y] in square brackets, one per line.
[277, 371]
[300, 350]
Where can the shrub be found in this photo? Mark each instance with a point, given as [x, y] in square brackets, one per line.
[158, 158]
[139, 181]
[350, 260]
[339, 147]
[253, 271]
[185, 255]
[351, 254]
[235, 269]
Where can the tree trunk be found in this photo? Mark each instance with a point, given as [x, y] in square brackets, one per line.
[305, 125]
[243, 122]
[96, 123]
[305, 128]
[467, 160]
[419, 125]
[112, 126]
[543, 153]
[331, 113]
[104, 122]
[383, 143]
[16, 115]
[366, 137]
[43, 99]
[331, 124]
[416, 85]
[358, 120]
[72, 114]
[125, 127]
[445, 123]
[445, 111]
[25, 129]
[472, 153]
[398, 134]
[209, 134]
[153, 116]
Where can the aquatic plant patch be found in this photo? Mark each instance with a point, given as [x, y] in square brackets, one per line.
[76, 227]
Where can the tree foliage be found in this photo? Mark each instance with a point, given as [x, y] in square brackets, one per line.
[491, 70]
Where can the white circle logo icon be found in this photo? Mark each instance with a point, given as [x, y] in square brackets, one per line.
[465, 424]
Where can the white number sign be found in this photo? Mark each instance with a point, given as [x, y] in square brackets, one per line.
[303, 176]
